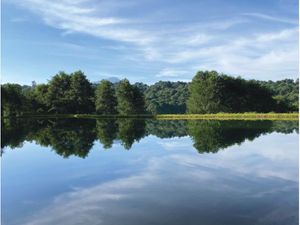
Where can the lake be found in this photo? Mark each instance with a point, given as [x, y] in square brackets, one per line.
[146, 172]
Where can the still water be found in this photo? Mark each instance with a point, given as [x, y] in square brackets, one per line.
[140, 172]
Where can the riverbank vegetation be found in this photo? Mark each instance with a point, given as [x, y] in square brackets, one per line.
[208, 93]
[216, 116]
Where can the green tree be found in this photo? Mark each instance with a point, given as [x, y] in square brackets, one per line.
[166, 97]
[70, 93]
[204, 93]
[38, 98]
[12, 100]
[59, 93]
[138, 101]
[211, 92]
[81, 93]
[285, 92]
[130, 99]
[105, 99]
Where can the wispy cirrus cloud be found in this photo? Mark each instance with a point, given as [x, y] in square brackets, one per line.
[271, 18]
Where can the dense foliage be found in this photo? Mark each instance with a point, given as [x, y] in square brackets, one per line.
[12, 100]
[285, 91]
[209, 92]
[105, 98]
[166, 97]
[130, 99]
[72, 94]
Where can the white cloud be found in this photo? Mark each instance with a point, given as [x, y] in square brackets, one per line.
[168, 72]
[271, 18]
[210, 45]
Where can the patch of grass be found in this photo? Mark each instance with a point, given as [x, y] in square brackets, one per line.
[230, 116]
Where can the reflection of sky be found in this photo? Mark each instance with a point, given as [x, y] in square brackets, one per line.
[159, 181]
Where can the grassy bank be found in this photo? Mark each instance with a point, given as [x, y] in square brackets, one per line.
[217, 116]
[230, 116]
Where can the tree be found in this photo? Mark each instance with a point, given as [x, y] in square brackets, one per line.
[70, 93]
[12, 100]
[166, 97]
[38, 98]
[130, 99]
[211, 92]
[204, 93]
[58, 93]
[105, 99]
[81, 93]
[138, 101]
[285, 92]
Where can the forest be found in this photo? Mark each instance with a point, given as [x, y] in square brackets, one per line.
[208, 92]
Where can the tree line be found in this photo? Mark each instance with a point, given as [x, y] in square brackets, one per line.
[208, 92]
[77, 136]
[72, 94]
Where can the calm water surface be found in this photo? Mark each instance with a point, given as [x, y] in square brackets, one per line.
[140, 172]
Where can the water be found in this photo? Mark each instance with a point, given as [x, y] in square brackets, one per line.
[134, 172]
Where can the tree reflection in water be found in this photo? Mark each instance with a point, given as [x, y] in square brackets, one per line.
[76, 136]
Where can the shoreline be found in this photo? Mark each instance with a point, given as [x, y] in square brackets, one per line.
[217, 116]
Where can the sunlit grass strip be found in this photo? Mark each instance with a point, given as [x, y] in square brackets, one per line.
[230, 116]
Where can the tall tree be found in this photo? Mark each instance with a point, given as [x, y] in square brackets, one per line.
[38, 98]
[138, 101]
[59, 93]
[81, 93]
[105, 99]
[12, 100]
[204, 93]
[130, 99]
[70, 93]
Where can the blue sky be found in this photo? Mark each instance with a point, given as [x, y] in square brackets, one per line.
[149, 40]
